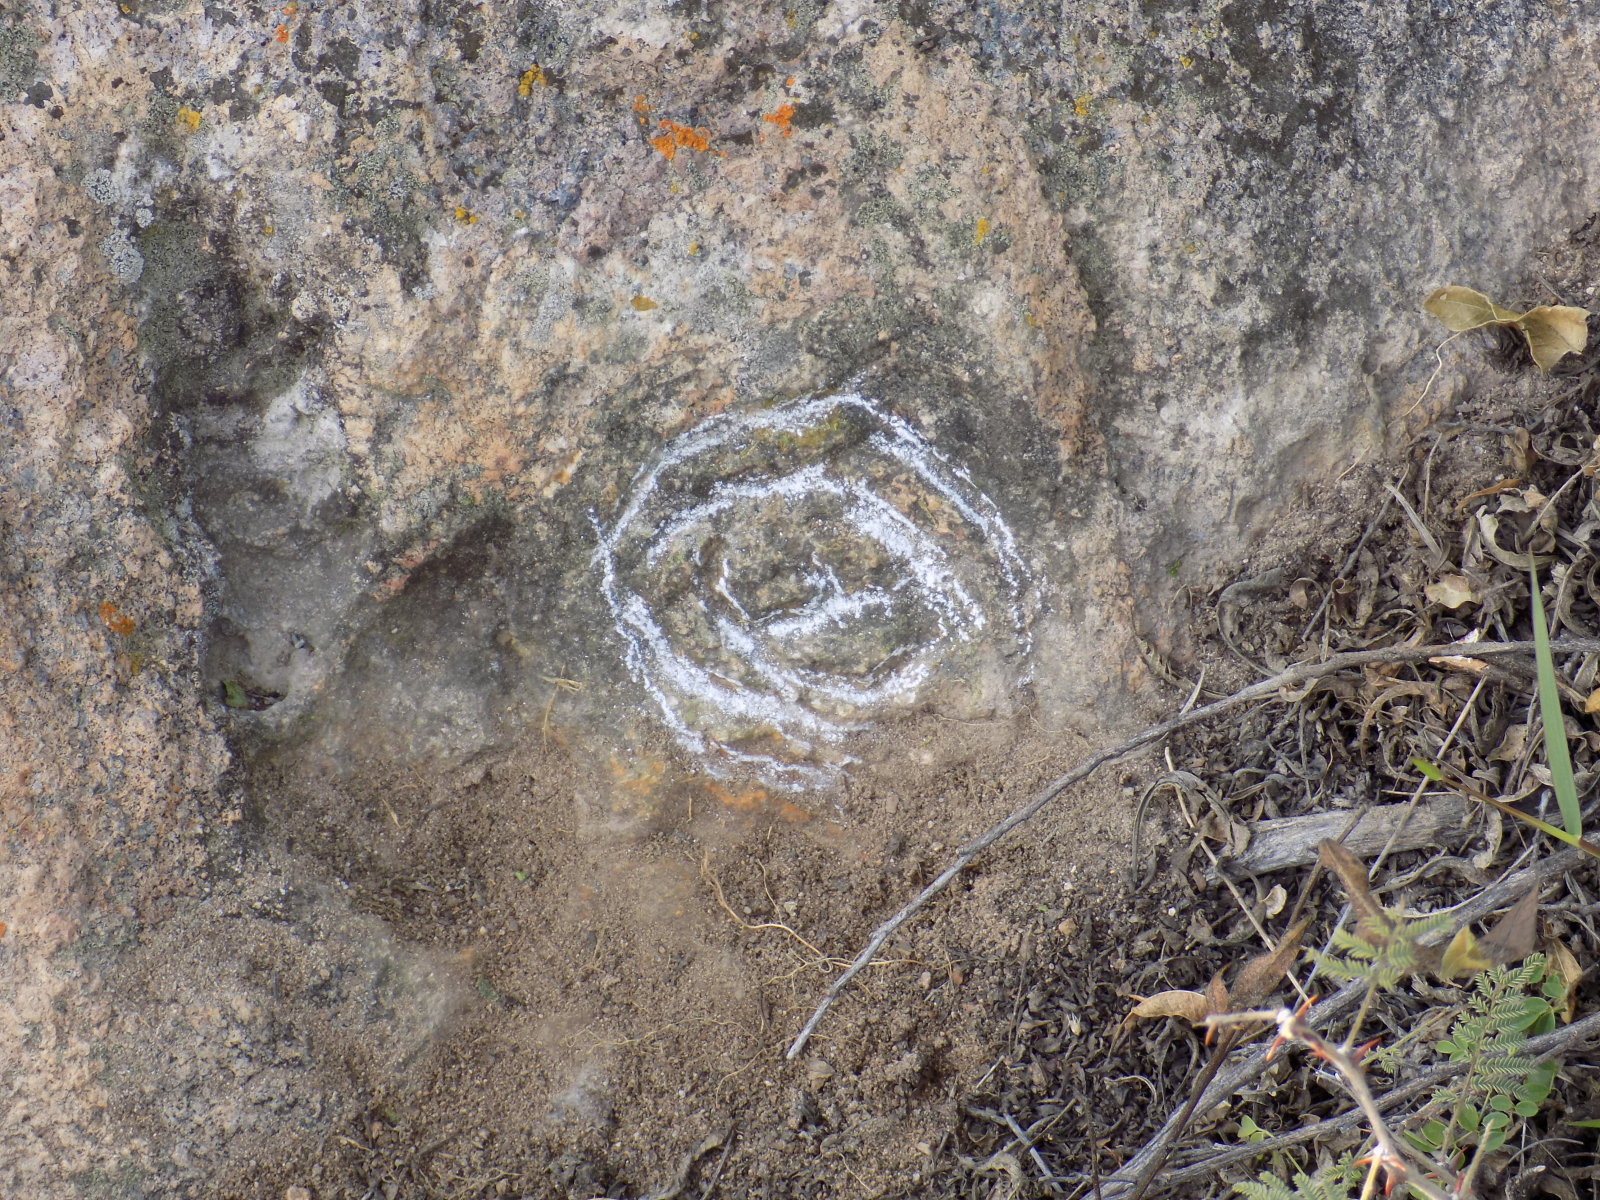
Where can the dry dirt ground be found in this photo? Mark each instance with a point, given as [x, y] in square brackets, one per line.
[596, 965]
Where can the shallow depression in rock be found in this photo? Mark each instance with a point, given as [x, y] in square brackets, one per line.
[781, 579]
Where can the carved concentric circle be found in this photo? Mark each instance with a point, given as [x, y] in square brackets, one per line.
[780, 578]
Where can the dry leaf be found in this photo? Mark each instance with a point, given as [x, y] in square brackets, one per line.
[1260, 977]
[1191, 1006]
[1494, 489]
[1489, 526]
[1354, 877]
[1553, 332]
[1564, 966]
[1463, 956]
[1217, 994]
[1452, 591]
[1511, 940]
[1514, 935]
[1592, 704]
[1460, 662]
[1274, 901]
[1461, 308]
[1511, 745]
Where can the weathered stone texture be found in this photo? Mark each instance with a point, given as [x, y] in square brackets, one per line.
[328, 332]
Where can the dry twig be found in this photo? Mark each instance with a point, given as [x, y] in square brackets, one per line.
[1140, 1169]
[1298, 674]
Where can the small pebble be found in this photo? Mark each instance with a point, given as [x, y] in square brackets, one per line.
[297, 1193]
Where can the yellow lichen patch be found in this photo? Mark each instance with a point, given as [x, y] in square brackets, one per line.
[643, 303]
[638, 778]
[562, 475]
[1080, 106]
[465, 215]
[189, 118]
[531, 78]
[981, 231]
[114, 619]
[678, 136]
[1185, 61]
[781, 118]
[756, 800]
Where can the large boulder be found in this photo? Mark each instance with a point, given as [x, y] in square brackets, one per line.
[777, 402]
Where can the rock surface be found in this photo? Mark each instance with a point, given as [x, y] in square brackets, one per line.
[334, 338]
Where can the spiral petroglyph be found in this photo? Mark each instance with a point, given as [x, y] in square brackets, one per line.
[782, 577]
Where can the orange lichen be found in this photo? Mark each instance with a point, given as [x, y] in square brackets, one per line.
[189, 118]
[639, 778]
[756, 800]
[781, 118]
[114, 619]
[534, 75]
[685, 136]
[282, 33]
[410, 560]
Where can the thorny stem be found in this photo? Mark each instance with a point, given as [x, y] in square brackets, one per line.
[1543, 1047]
[1297, 674]
[1360, 1017]
[1386, 1150]
[1228, 1080]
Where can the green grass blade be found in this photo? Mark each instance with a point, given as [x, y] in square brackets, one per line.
[1434, 773]
[1555, 733]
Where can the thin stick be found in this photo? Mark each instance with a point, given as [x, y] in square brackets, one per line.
[1300, 673]
[1387, 1152]
[1236, 1075]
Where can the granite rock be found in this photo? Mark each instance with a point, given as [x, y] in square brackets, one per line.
[335, 338]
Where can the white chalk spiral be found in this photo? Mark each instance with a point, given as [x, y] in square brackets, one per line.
[782, 576]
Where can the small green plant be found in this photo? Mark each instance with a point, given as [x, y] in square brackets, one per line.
[1555, 730]
[1333, 1182]
[1382, 955]
[1557, 756]
[1499, 1084]
[1473, 1114]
